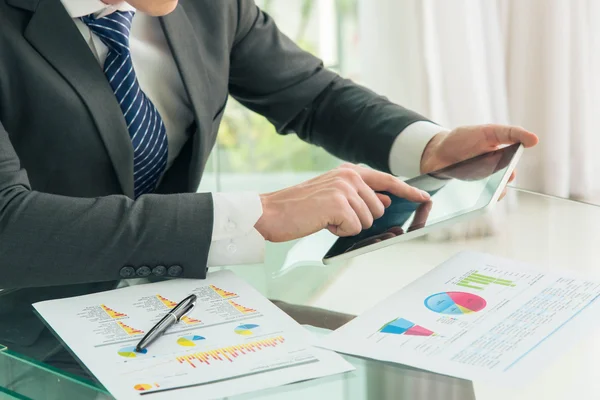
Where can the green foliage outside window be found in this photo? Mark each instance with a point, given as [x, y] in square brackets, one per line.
[247, 142]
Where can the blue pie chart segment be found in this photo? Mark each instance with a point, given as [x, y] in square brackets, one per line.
[442, 303]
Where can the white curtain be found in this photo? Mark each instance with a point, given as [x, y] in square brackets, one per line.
[534, 63]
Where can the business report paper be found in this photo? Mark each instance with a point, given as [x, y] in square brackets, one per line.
[234, 341]
[476, 317]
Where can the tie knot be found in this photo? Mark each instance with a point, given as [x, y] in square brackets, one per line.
[112, 29]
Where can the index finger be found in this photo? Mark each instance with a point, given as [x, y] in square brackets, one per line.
[421, 216]
[382, 182]
[500, 134]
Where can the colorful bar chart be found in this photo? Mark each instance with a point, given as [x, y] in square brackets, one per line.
[401, 326]
[112, 313]
[229, 353]
[168, 303]
[478, 281]
[129, 330]
[241, 308]
[222, 292]
[189, 320]
[455, 303]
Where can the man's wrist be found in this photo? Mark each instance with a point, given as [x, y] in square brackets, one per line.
[408, 148]
[262, 225]
[428, 156]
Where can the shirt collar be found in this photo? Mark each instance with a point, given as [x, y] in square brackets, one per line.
[81, 8]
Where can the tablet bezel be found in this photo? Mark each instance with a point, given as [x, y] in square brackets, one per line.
[484, 208]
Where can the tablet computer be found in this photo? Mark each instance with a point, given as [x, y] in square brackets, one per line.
[458, 192]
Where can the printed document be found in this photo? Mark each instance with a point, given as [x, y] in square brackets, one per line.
[234, 341]
[476, 317]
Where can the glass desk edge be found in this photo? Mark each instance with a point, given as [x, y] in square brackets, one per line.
[39, 365]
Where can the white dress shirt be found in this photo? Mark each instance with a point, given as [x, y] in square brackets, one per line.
[234, 239]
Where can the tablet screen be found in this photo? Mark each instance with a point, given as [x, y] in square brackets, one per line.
[455, 190]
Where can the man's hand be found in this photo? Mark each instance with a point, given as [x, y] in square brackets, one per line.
[343, 201]
[470, 141]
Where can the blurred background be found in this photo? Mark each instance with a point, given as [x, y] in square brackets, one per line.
[532, 63]
[249, 153]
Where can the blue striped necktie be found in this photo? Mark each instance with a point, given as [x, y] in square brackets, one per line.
[145, 125]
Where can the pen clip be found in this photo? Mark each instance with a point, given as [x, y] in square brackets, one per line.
[186, 310]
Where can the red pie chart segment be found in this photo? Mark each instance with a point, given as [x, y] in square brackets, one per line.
[468, 301]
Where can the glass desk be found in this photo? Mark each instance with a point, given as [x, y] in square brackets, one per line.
[554, 234]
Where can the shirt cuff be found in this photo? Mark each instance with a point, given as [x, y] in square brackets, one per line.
[247, 249]
[234, 238]
[408, 148]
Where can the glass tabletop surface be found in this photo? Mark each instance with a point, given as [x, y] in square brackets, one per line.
[552, 233]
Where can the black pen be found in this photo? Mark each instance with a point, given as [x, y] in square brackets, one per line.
[172, 317]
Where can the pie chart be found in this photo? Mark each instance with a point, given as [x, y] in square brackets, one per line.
[455, 303]
[401, 326]
[246, 330]
[142, 387]
[129, 352]
[189, 341]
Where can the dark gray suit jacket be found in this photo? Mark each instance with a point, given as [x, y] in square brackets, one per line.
[68, 224]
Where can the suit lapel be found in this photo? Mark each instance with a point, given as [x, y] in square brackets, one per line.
[188, 52]
[58, 40]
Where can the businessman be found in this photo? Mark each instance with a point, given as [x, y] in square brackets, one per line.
[108, 113]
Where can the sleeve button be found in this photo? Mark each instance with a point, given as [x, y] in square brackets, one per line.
[175, 271]
[159, 270]
[232, 248]
[143, 271]
[127, 272]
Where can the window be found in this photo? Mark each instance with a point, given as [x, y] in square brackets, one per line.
[249, 154]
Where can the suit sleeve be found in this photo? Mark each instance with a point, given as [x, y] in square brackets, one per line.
[274, 77]
[50, 240]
